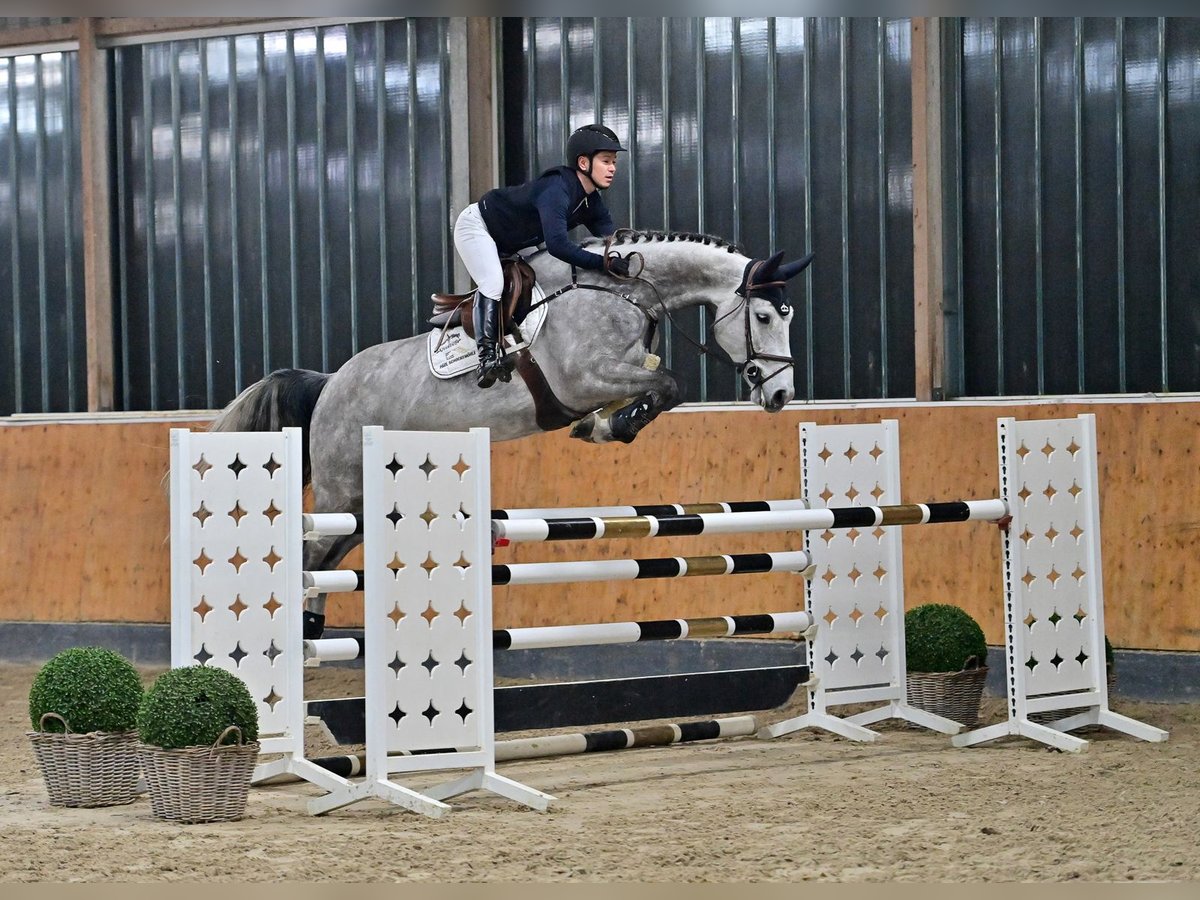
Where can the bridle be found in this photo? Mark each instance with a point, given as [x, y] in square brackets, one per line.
[771, 291]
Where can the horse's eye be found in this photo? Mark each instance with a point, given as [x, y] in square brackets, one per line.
[763, 318]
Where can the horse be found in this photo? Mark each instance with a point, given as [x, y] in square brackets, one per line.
[594, 352]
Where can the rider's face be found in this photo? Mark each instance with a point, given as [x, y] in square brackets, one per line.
[604, 168]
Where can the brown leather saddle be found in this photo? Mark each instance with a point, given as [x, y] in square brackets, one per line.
[456, 309]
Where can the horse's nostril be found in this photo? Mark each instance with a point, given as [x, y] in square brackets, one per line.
[779, 399]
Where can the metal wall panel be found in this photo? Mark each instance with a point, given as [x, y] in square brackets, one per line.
[43, 362]
[283, 200]
[1181, 133]
[1077, 202]
[780, 133]
[12, 23]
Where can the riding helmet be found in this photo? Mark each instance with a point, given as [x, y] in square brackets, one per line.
[590, 140]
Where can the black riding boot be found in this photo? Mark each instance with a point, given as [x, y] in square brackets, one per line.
[487, 338]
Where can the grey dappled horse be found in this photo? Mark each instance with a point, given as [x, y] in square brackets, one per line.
[592, 352]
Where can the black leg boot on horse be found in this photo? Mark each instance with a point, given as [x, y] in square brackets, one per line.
[492, 364]
[314, 625]
[631, 419]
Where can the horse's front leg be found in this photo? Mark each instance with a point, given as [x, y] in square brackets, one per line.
[621, 424]
[622, 420]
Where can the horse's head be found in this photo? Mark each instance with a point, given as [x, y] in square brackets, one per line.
[754, 328]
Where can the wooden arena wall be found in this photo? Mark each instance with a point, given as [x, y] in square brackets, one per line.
[84, 514]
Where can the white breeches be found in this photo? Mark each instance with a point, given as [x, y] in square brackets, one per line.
[478, 251]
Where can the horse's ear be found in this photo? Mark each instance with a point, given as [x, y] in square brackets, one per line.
[766, 272]
[792, 269]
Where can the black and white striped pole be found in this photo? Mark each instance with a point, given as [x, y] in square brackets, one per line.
[680, 525]
[544, 637]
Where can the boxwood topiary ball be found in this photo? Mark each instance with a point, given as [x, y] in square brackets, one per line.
[190, 707]
[93, 688]
[939, 637]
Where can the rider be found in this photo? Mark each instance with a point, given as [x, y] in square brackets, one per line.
[543, 210]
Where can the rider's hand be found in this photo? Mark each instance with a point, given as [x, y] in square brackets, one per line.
[618, 265]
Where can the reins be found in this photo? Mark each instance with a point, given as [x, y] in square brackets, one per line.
[715, 351]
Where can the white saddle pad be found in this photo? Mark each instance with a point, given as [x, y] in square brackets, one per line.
[452, 353]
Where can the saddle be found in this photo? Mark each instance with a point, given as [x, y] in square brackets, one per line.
[456, 309]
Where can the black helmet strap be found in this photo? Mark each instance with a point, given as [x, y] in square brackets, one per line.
[587, 173]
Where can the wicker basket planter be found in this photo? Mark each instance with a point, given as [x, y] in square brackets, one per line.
[85, 770]
[952, 695]
[200, 784]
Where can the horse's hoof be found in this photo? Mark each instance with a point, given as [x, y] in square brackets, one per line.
[584, 427]
[314, 625]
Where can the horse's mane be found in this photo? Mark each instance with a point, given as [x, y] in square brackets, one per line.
[630, 236]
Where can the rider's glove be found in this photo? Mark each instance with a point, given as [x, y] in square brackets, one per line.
[617, 265]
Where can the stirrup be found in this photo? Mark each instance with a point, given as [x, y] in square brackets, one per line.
[486, 379]
[489, 373]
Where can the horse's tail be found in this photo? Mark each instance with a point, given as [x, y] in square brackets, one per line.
[283, 399]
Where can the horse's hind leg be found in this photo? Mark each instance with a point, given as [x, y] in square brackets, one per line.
[319, 556]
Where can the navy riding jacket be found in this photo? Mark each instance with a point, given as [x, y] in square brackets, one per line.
[543, 211]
